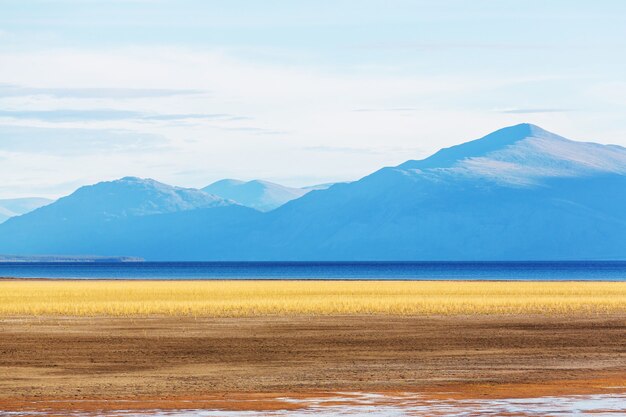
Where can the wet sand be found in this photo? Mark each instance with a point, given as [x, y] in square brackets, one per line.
[248, 363]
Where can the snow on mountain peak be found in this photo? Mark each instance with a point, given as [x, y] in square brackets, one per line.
[523, 155]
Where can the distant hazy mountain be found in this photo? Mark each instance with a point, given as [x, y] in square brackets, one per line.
[324, 186]
[257, 194]
[520, 193]
[56, 258]
[17, 206]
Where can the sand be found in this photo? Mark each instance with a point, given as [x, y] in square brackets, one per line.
[168, 362]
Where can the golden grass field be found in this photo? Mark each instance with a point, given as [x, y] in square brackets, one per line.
[256, 298]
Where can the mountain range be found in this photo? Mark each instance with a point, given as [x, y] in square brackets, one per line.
[520, 193]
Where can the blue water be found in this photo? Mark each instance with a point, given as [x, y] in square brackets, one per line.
[526, 271]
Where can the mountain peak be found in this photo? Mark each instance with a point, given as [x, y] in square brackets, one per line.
[495, 141]
[226, 182]
[133, 196]
[137, 181]
[512, 134]
[523, 154]
[522, 130]
[258, 194]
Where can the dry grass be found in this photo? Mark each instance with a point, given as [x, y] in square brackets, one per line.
[253, 298]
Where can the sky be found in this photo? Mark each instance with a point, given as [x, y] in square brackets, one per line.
[297, 92]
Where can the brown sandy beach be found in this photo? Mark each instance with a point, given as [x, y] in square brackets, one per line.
[165, 362]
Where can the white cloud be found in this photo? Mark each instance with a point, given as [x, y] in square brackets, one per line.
[72, 141]
[278, 115]
[8, 90]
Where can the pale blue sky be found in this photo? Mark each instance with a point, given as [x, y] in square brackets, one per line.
[298, 92]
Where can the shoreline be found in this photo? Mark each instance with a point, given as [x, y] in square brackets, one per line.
[300, 400]
[295, 279]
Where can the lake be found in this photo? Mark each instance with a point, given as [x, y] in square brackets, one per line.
[525, 271]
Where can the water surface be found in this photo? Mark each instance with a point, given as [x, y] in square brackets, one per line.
[550, 271]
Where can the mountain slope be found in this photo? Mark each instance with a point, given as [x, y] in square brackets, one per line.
[18, 206]
[257, 194]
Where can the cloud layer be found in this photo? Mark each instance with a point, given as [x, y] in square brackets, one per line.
[193, 92]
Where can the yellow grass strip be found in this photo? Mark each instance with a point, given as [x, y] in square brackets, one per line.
[253, 298]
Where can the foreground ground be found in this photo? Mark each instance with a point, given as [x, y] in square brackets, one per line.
[163, 362]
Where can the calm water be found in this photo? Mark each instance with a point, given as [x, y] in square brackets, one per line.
[551, 271]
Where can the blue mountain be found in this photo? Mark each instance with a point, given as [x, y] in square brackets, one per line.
[257, 194]
[111, 217]
[520, 193]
